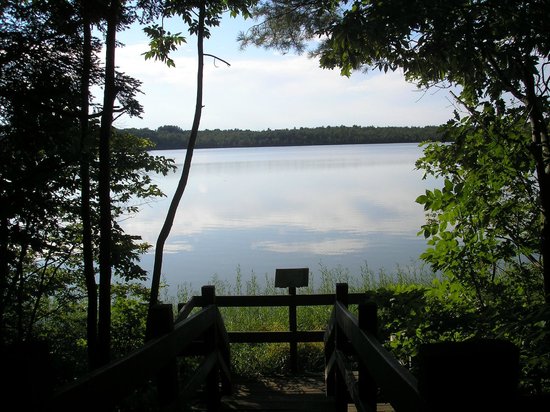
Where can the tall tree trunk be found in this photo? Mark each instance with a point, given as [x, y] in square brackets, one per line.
[541, 153]
[20, 276]
[105, 236]
[4, 272]
[168, 222]
[85, 208]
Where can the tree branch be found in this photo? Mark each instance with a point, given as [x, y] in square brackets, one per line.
[216, 58]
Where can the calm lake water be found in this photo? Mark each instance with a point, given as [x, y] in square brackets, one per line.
[259, 209]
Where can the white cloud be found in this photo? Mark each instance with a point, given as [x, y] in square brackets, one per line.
[176, 247]
[330, 247]
[274, 92]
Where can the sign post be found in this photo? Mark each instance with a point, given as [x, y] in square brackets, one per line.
[292, 279]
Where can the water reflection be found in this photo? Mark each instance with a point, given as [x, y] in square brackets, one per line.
[257, 207]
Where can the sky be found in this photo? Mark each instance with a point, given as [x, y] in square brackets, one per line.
[264, 89]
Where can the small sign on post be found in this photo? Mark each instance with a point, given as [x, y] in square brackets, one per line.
[292, 279]
[288, 278]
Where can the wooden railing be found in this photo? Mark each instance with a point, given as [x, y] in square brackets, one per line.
[201, 333]
[292, 336]
[357, 365]
[474, 375]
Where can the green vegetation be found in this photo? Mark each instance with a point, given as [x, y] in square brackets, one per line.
[173, 137]
[67, 177]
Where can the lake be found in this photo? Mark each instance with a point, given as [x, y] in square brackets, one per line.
[257, 209]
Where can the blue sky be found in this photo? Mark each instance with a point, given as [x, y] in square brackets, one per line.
[264, 89]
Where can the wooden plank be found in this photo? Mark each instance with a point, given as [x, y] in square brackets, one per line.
[278, 300]
[329, 331]
[225, 375]
[186, 309]
[286, 393]
[274, 300]
[198, 378]
[346, 370]
[330, 364]
[296, 393]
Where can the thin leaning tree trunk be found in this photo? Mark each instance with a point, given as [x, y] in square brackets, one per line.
[168, 222]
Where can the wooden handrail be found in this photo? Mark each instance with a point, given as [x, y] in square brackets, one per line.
[268, 301]
[376, 365]
[186, 309]
[395, 381]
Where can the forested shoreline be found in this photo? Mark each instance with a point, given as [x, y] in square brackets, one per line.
[174, 137]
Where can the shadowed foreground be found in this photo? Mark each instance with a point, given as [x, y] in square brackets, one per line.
[283, 393]
[476, 375]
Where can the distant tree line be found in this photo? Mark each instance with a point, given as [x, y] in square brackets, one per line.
[174, 137]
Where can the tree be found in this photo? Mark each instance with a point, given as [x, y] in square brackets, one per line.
[199, 16]
[37, 126]
[111, 16]
[87, 78]
[49, 168]
[116, 14]
[495, 51]
[480, 225]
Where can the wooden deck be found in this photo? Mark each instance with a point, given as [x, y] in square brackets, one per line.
[281, 393]
[294, 393]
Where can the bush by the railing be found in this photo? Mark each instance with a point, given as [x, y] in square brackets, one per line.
[446, 311]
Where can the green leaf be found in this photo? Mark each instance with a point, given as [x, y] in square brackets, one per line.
[422, 199]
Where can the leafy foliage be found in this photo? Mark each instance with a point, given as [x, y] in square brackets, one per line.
[291, 24]
[64, 329]
[162, 43]
[480, 223]
[51, 261]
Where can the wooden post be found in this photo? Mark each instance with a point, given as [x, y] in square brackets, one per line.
[475, 375]
[291, 279]
[340, 388]
[211, 344]
[293, 327]
[162, 322]
[208, 295]
[342, 293]
[368, 322]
